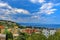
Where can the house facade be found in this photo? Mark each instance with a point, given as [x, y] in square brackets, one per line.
[48, 32]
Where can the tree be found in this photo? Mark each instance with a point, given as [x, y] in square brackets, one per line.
[38, 36]
[56, 36]
[22, 36]
[9, 36]
[29, 38]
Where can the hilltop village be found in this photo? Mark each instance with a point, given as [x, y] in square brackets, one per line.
[15, 29]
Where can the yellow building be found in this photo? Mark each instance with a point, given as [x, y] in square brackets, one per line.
[15, 31]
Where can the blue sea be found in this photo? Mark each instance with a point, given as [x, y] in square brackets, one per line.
[41, 25]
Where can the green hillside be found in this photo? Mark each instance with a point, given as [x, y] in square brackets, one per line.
[8, 24]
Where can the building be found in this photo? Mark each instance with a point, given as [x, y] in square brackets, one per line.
[29, 30]
[45, 32]
[2, 28]
[52, 32]
[2, 36]
[48, 32]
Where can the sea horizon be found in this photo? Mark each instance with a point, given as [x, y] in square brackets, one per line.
[41, 25]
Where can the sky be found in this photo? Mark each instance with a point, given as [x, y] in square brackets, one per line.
[30, 11]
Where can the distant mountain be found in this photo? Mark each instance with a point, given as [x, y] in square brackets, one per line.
[41, 25]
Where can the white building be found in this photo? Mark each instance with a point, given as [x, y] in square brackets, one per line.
[48, 32]
[52, 32]
[45, 32]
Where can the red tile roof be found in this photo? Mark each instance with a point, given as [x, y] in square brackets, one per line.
[1, 27]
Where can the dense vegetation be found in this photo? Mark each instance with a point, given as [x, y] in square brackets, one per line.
[40, 36]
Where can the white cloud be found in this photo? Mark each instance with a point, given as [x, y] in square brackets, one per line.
[50, 11]
[37, 1]
[47, 8]
[5, 18]
[41, 1]
[34, 1]
[5, 5]
[9, 10]
[21, 11]
[35, 17]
